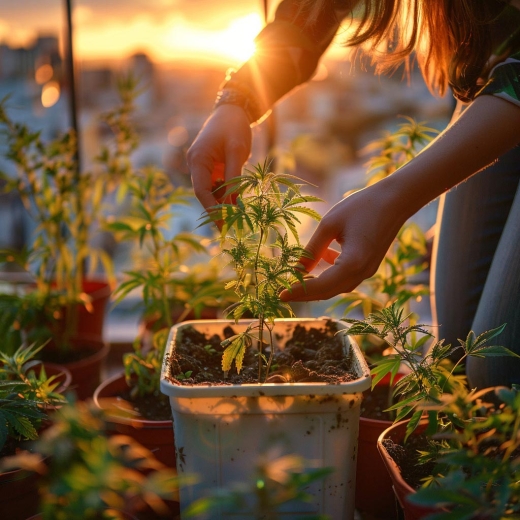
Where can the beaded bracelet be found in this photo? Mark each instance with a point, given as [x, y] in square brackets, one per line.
[233, 92]
[229, 96]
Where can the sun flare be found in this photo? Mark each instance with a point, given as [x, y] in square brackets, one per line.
[235, 42]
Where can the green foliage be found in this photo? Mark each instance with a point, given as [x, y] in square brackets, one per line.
[90, 476]
[143, 366]
[171, 284]
[430, 375]
[20, 417]
[161, 274]
[21, 366]
[24, 395]
[275, 483]
[256, 235]
[479, 463]
[65, 205]
[394, 150]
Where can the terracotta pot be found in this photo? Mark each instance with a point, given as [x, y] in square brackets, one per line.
[86, 372]
[371, 473]
[157, 436]
[18, 494]
[91, 323]
[402, 489]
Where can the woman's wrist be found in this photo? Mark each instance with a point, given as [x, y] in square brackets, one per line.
[234, 92]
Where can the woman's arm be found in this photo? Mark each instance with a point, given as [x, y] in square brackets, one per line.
[287, 53]
[365, 223]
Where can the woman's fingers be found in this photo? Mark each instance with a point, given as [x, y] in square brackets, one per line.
[336, 279]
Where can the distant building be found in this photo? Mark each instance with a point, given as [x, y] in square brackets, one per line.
[22, 63]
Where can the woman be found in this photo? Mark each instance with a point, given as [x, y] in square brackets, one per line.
[469, 46]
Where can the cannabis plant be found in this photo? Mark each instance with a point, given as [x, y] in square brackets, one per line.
[430, 375]
[65, 204]
[395, 149]
[92, 476]
[477, 463]
[25, 396]
[260, 238]
[166, 273]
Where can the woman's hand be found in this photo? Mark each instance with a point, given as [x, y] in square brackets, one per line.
[364, 225]
[225, 139]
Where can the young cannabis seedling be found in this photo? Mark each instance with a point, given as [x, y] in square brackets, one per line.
[24, 396]
[256, 235]
[431, 375]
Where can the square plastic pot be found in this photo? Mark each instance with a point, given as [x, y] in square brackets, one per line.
[220, 430]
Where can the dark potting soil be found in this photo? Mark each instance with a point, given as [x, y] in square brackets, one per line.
[375, 402]
[153, 407]
[311, 355]
[62, 356]
[406, 456]
[13, 446]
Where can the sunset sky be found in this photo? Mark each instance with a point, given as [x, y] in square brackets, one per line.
[166, 29]
[194, 30]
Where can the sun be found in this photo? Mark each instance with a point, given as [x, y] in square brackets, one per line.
[234, 42]
[237, 40]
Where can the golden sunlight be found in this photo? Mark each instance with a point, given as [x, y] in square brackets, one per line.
[172, 38]
[235, 42]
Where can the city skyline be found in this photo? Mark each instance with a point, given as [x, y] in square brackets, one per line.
[167, 30]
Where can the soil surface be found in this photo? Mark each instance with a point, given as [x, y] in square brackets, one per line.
[311, 355]
[61, 356]
[406, 457]
[152, 407]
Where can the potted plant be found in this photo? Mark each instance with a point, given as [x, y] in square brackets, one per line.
[91, 476]
[63, 301]
[172, 285]
[477, 462]
[235, 384]
[27, 397]
[430, 377]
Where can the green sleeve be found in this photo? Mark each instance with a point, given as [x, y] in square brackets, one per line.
[289, 48]
[504, 80]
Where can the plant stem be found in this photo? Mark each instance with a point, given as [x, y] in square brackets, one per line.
[164, 297]
[271, 353]
[260, 316]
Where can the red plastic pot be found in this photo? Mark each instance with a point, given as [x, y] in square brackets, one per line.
[371, 474]
[402, 489]
[92, 323]
[89, 321]
[87, 372]
[157, 436]
[18, 494]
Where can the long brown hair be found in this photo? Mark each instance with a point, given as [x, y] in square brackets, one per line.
[452, 39]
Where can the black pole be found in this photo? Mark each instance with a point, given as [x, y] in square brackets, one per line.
[271, 120]
[71, 80]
